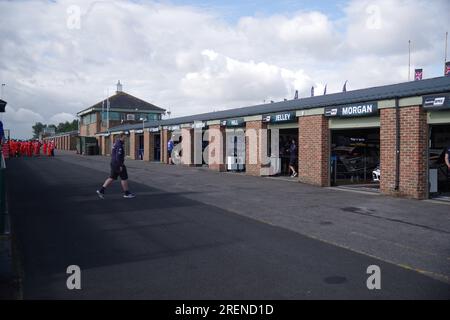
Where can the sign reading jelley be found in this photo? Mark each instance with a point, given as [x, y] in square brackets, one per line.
[437, 102]
[355, 110]
[280, 117]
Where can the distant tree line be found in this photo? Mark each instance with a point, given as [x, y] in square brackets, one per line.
[67, 126]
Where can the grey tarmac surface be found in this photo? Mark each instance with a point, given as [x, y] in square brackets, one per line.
[195, 234]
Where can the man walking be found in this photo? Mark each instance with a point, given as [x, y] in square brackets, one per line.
[118, 169]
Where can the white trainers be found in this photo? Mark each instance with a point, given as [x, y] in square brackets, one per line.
[129, 195]
[100, 194]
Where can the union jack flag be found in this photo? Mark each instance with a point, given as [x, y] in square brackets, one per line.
[418, 74]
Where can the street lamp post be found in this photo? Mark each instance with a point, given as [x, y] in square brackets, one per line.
[143, 127]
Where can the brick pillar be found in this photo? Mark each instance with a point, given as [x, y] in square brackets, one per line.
[187, 145]
[132, 141]
[413, 152]
[103, 145]
[314, 150]
[217, 148]
[252, 147]
[165, 137]
[149, 146]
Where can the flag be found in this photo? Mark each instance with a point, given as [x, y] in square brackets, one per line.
[2, 105]
[447, 69]
[344, 89]
[296, 95]
[312, 91]
[418, 74]
[325, 90]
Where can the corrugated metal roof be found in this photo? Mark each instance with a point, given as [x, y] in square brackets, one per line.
[400, 90]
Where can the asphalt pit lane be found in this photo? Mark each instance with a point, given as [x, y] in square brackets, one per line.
[335, 280]
[365, 211]
[326, 223]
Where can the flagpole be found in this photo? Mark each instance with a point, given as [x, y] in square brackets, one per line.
[446, 48]
[409, 60]
[107, 109]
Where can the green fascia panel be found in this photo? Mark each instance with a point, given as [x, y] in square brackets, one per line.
[438, 117]
[291, 125]
[352, 123]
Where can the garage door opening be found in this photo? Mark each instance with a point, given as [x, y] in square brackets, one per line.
[205, 144]
[140, 146]
[281, 159]
[439, 174]
[235, 150]
[355, 158]
[157, 147]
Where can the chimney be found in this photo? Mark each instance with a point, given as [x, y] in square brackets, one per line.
[119, 87]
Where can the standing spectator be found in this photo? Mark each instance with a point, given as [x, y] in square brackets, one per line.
[170, 146]
[447, 157]
[293, 158]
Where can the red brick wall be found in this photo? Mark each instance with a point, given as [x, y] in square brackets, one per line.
[132, 141]
[314, 150]
[165, 136]
[187, 144]
[253, 169]
[413, 152]
[216, 147]
[149, 146]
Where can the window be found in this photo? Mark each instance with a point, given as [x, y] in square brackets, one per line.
[89, 118]
[115, 116]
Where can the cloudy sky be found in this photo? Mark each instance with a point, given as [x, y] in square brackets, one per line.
[58, 57]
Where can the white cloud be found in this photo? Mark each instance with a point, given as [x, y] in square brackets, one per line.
[61, 117]
[225, 79]
[21, 115]
[190, 60]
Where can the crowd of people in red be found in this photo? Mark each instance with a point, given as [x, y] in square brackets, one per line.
[30, 148]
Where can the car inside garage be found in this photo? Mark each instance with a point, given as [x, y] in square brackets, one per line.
[355, 157]
[439, 173]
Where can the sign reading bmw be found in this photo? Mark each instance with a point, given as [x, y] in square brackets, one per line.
[437, 102]
[355, 110]
[280, 117]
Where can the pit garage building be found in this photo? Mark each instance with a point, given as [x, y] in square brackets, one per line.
[396, 134]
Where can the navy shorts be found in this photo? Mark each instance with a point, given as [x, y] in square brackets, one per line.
[116, 172]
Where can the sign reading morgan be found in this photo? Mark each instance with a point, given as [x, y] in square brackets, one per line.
[355, 110]
[437, 102]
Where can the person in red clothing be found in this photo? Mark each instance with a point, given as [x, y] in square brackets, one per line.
[44, 148]
[50, 148]
[30, 149]
[23, 148]
[12, 148]
[37, 148]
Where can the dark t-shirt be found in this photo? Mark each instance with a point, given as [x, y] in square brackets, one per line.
[117, 154]
[293, 152]
[448, 153]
